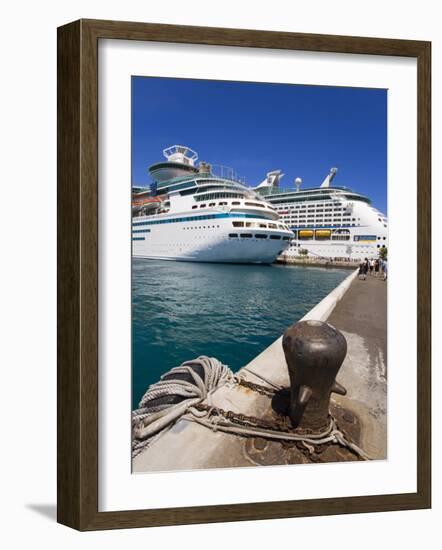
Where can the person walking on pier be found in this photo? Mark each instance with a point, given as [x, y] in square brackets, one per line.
[366, 266]
[371, 266]
[376, 267]
[363, 270]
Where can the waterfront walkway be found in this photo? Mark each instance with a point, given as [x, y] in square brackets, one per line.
[361, 316]
[363, 310]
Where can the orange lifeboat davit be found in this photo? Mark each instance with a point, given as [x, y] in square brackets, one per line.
[146, 205]
[143, 201]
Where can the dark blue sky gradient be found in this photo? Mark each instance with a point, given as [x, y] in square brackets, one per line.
[256, 128]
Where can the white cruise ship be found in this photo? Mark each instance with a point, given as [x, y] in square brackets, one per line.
[203, 213]
[327, 222]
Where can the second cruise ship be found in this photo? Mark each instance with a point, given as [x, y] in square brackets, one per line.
[327, 222]
[203, 213]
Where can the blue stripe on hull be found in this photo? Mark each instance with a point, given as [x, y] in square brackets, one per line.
[201, 218]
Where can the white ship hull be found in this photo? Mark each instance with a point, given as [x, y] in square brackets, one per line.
[207, 241]
[352, 251]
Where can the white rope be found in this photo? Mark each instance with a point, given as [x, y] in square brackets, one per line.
[151, 418]
[219, 423]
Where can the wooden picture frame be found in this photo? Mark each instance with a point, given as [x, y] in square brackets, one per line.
[78, 274]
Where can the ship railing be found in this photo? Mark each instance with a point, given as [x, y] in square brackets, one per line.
[226, 172]
[276, 190]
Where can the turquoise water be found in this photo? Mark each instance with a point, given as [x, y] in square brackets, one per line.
[181, 310]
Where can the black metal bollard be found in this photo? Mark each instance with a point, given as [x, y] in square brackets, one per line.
[314, 352]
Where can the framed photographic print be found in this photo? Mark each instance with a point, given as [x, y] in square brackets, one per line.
[243, 274]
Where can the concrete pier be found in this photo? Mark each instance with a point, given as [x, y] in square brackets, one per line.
[362, 318]
[358, 309]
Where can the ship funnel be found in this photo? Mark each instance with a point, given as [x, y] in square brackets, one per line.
[329, 177]
[298, 182]
[272, 179]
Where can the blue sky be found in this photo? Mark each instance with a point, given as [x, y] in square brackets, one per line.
[256, 128]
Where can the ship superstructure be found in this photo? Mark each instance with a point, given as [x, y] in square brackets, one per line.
[204, 213]
[327, 222]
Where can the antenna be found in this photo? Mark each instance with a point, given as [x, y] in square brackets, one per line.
[298, 182]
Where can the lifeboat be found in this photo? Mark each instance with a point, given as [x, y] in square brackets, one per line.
[306, 234]
[142, 201]
[146, 204]
[323, 234]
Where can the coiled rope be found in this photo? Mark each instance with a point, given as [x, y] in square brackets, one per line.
[170, 398]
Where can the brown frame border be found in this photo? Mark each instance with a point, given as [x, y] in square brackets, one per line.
[77, 224]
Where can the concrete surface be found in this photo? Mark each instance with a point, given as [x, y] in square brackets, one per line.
[362, 317]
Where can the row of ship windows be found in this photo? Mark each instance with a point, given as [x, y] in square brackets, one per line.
[326, 222]
[319, 217]
[238, 224]
[326, 235]
[196, 218]
[322, 222]
[215, 196]
[261, 225]
[255, 225]
[201, 227]
[310, 214]
[211, 204]
[225, 203]
[257, 236]
[303, 211]
[312, 208]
